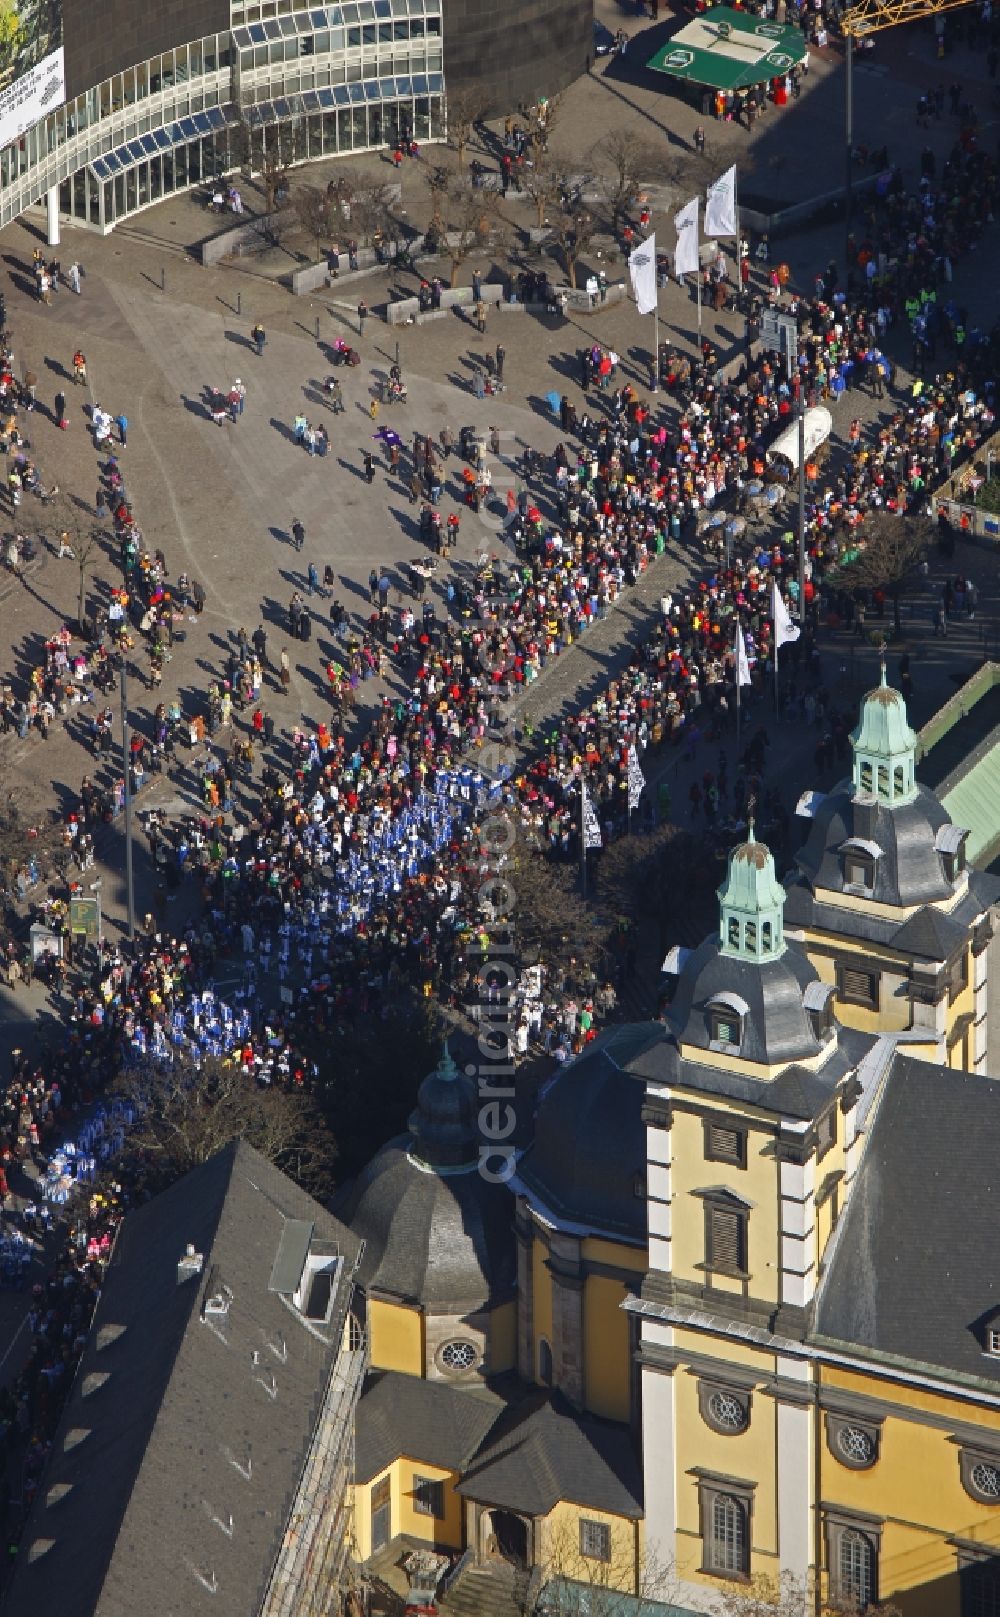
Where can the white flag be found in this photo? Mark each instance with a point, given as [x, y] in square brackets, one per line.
[686, 225]
[742, 660]
[642, 270]
[591, 829]
[636, 780]
[784, 629]
[720, 205]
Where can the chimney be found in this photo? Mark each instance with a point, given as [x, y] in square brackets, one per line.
[190, 1265]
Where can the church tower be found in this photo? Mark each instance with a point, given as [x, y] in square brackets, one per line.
[884, 903]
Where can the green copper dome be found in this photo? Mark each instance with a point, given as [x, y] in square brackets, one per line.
[751, 905]
[884, 747]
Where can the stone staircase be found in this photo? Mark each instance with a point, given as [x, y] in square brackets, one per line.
[495, 1590]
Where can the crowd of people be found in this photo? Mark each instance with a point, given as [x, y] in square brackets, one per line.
[341, 862]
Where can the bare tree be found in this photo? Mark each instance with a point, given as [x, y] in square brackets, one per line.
[788, 1596]
[465, 109]
[582, 1586]
[438, 182]
[371, 207]
[541, 183]
[621, 160]
[186, 1113]
[67, 518]
[573, 226]
[552, 922]
[891, 553]
[315, 209]
[462, 218]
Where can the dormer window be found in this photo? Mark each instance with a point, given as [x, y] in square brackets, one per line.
[859, 859]
[817, 1001]
[859, 871]
[725, 1016]
[993, 1341]
[950, 844]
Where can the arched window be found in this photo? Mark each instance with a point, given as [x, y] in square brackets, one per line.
[899, 780]
[856, 1568]
[728, 1542]
[750, 937]
[866, 778]
[765, 937]
[883, 781]
[544, 1362]
[734, 933]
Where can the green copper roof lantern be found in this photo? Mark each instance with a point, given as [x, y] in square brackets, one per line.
[751, 905]
[885, 748]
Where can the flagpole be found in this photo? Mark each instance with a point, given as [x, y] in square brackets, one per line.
[698, 277]
[583, 837]
[777, 710]
[736, 650]
[656, 333]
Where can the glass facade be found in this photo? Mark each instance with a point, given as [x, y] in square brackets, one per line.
[317, 82]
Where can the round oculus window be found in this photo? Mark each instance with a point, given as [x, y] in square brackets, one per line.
[856, 1445]
[458, 1355]
[986, 1480]
[727, 1411]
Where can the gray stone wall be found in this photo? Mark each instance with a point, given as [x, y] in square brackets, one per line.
[103, 37]
[518, 52]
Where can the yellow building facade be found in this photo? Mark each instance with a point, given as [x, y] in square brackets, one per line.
[738, 1311]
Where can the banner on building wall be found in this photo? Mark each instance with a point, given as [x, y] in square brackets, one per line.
[32, 69]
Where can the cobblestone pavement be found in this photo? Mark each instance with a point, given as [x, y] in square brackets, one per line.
[221, 500]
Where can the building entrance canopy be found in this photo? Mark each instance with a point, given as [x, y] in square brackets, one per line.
[730, 50]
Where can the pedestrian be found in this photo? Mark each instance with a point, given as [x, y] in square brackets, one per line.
[369, 467]
[501, 355]
[121, 422]
[298, 534]
[285, 669]
[74, 278]
[60, 410]
[363, 312]
[373, 586]
[699, 139]
[259, 337]
[315, 587]
[481, 315]
[80, 368]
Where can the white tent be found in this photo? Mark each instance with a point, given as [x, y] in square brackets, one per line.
[819, 424]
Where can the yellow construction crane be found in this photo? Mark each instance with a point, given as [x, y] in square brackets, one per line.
[871, 16]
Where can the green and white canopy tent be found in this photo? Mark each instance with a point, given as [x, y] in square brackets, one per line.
[730, 50]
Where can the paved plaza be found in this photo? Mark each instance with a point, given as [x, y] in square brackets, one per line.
[159, 330]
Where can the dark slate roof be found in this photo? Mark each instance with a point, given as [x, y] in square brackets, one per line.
[442, 1239]
[910, 870]
[908, 1275]
[542, 1452]
[776, 1026]
[149, 1454]
[930, 934]
[803, 910]
[425, 1420]
[590, 1140]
